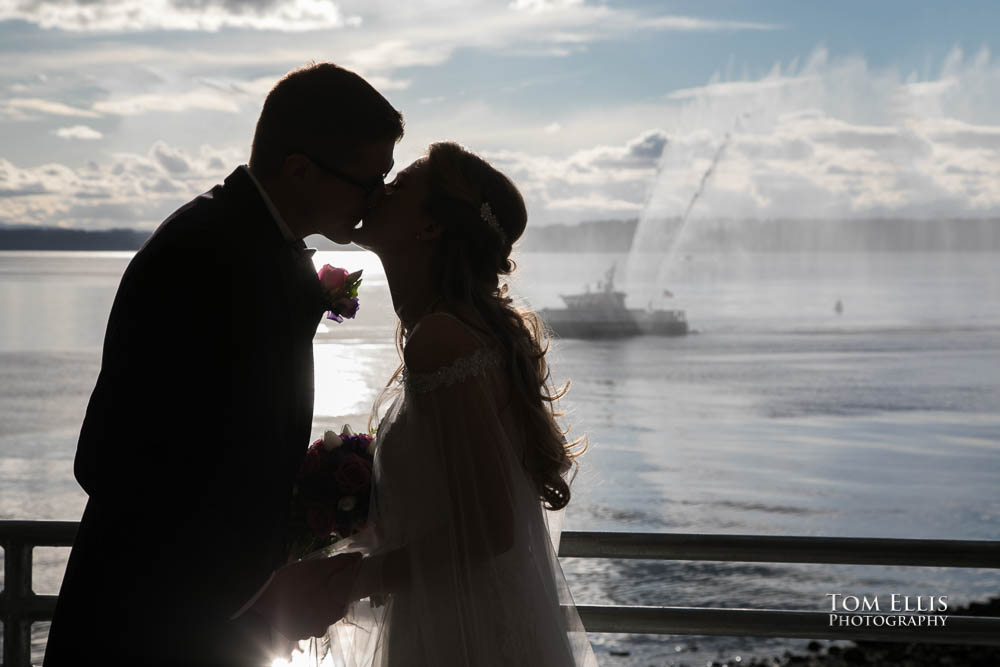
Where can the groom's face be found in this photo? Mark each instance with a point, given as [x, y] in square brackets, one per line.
[345, 196]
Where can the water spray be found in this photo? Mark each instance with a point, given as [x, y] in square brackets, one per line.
[704, 179]
[699, 191]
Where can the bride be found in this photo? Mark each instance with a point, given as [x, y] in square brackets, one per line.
[459, 562]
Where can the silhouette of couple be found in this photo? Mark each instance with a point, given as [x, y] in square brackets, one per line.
[201, 415]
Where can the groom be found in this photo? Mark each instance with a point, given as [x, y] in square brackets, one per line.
[203, 408]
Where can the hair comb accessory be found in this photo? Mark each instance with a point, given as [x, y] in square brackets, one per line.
[486, 213]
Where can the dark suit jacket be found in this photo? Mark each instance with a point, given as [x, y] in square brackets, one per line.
[193, 436]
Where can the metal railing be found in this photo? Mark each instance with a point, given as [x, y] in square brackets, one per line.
[20, 606]
[981, 630]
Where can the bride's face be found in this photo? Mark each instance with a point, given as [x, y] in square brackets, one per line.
[398, 216]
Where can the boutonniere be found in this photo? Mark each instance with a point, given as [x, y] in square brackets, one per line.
[341, 289]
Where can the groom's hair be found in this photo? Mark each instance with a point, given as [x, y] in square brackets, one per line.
[322, 110]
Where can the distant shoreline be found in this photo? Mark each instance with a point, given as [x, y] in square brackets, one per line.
[616, 236]
[58, 239]
[54, 238]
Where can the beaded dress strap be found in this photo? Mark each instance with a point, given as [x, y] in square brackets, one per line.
[461, 369]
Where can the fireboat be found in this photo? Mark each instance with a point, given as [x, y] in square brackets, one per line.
[602, 314]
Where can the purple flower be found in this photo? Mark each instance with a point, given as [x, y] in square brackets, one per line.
[348, 307]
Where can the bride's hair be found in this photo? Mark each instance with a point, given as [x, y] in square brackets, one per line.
[469, 257]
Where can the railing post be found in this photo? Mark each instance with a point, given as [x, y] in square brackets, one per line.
[16, 591]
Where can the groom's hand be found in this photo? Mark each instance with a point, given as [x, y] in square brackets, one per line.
[339, 587]
[297, 602]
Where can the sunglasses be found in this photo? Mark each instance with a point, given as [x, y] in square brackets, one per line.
[367, 189]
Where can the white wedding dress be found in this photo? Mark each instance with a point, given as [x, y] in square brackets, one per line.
[485, 586]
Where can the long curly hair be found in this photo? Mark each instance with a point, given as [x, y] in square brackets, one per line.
[469, 258]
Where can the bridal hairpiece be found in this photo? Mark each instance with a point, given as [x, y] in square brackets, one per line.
[486, 213]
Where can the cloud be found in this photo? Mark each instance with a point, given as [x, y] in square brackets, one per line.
[139, 189]
[966, 136]
[662, 22]
[397, 53]
[596, 182]
[649, 146]
[611, 162]
[78, 132]
[172, 160]
[16, 182]
[42, 180]
[132, 190]
[22, 108]
[205, 99]
[833, 138]
[402, 35]
[837, 138]
[692, 24]
[543, 5]
[593, 202]
[738, 88]
[205, 15]
[431, 38]
[315, 15]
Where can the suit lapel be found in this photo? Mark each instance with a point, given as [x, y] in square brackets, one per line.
[302, 288]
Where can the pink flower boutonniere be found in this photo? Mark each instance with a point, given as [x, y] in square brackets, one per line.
[341, 290]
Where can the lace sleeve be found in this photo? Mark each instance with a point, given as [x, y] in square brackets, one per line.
[459, 370]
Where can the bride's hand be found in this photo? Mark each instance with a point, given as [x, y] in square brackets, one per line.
[303, 599]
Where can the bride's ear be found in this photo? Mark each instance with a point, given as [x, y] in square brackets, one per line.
[296, 167]
[430, 232]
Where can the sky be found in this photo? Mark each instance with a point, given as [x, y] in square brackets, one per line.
[115, 112]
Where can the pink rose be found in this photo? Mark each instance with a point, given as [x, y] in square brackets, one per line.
[332, 278]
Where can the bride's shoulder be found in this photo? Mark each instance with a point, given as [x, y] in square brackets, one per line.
[439, 340]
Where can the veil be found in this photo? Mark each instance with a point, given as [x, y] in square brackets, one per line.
[457, 540]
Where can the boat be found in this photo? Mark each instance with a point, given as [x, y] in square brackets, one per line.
[603, 314]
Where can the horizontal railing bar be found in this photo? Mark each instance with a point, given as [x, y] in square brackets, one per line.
[40, 533]
[34, 607]
[687, 546]
[778, 623]
[782, 549]
[980, 630]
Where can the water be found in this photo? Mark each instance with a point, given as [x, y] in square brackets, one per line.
[777, 417]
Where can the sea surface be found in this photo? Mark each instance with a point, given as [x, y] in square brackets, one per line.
[776, 416]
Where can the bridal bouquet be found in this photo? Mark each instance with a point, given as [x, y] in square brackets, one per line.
[341, 290]
[332, 490]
